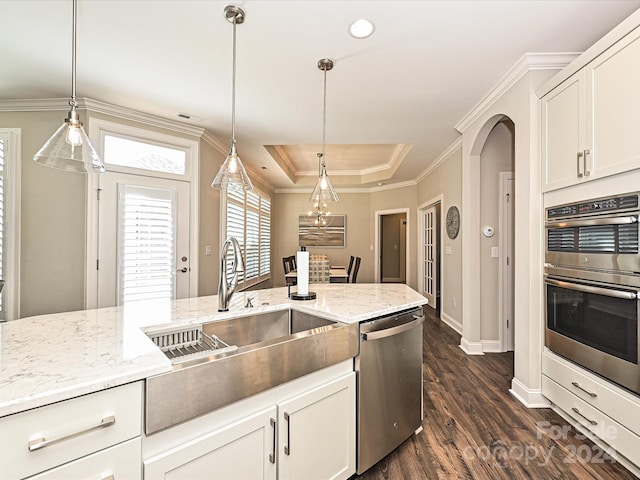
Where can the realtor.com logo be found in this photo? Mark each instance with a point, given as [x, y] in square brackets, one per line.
[499, 453]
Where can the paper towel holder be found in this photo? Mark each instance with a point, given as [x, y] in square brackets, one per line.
[299, 296]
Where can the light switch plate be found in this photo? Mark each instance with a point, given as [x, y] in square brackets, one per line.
[495, 252]
[447, 250]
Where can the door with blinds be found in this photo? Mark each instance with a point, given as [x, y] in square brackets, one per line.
[143, 241]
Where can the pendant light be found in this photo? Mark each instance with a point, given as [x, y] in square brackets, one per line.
[323, 193]
[69, 148]
[232, 174]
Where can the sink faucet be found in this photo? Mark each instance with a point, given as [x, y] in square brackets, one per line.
[225, 290]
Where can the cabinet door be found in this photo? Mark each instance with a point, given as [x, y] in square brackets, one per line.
[317, 432]
[614, 79]
[564, 133]
[241, 450]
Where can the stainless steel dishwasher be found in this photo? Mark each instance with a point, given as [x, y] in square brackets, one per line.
[389, 376]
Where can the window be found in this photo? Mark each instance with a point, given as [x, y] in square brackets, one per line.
[131, 153]
[249, 222]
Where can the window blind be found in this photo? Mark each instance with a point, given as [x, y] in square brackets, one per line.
[147, 240]
[249, 221]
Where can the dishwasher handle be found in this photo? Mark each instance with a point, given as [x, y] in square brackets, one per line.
[387, 332]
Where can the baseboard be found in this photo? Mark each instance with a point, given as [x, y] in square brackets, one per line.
[471, 348]
[529, 397]
[491, 346]
[452, 322]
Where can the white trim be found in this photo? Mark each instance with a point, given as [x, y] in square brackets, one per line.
[471, 348]
[55, 104]
[503, 247]
[377, 188]
[12, 219]
[491, 346]
[450, 321]
[529, 61]
[376, 251]
[444, 156]
[97, 129]
[529, 397]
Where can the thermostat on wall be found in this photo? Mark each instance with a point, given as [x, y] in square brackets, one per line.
[488, 231]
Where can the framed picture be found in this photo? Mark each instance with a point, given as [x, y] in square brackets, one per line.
[330, 235]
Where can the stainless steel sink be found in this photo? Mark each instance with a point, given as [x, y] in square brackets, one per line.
[254, 353]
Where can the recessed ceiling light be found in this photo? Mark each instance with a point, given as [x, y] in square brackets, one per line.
[263, 167]
[361, 28]
[380, 184]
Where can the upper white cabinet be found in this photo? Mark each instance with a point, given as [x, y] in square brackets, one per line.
[590, 121]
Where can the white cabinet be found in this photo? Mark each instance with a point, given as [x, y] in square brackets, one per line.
[308, 433]
[317, 433]
[46, 437]
[609, 412]
[590, 121]
[241, 450]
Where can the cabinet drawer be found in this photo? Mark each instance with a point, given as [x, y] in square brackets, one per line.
[121, 462]
[620, 405]
[611, 432]
[64, 431]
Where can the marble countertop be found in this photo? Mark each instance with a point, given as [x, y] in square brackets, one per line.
[55, 357]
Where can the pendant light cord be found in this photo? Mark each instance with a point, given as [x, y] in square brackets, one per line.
[73, 102]
[233, 90]
[324, 116]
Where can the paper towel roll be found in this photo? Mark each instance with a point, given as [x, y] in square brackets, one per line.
[302, 265]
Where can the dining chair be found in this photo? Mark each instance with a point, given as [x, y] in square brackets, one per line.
[350, 267]
[289, 263]
[356, 267]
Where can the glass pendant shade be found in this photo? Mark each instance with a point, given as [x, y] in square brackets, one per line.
[232, 175]
[323, 193]
[70, 149]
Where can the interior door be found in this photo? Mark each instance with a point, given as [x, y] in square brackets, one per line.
[430, 245]
[143, 246]
[509, 266]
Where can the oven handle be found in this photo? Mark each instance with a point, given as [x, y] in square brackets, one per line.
[589, 289]
[593, 222]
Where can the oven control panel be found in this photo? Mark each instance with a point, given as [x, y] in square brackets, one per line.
[593, 207]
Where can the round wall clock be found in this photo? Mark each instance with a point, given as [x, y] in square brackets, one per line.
[453, 222]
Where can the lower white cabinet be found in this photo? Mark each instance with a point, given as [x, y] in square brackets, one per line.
[120, 462]
[309, 435]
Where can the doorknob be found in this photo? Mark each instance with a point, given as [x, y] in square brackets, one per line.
[183, 270]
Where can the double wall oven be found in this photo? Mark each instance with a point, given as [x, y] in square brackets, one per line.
[592, 286]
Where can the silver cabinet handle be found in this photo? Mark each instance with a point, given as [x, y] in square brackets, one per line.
[287, 447]
[580, 164]
[587, 163]
[272, 455]
[39, 443]
[595, 290]
[387, 332]
[577, 412]
[591, 394]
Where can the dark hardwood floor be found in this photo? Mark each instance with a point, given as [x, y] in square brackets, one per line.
[475, 429]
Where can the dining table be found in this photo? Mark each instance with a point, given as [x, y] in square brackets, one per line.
[337, 274]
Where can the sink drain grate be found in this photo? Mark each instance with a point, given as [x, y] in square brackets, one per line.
[184, 343]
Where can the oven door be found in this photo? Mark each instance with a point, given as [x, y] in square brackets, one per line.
[595, 324]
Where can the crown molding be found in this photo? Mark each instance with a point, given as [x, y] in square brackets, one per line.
[440, 160]
[377, 188]
[393, 186]
[96, 106]
[215, 142]
[526, 63]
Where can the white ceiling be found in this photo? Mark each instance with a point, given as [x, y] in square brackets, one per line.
[393, 98]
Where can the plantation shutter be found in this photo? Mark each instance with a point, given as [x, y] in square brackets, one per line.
[2, 215]
[249, 222]
[147, 243]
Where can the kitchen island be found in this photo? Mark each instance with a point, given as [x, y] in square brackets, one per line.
[59, 357]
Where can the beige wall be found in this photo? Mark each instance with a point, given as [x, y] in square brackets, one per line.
[52, 265]
[285, 211]
[446, 180]
[496, 157]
